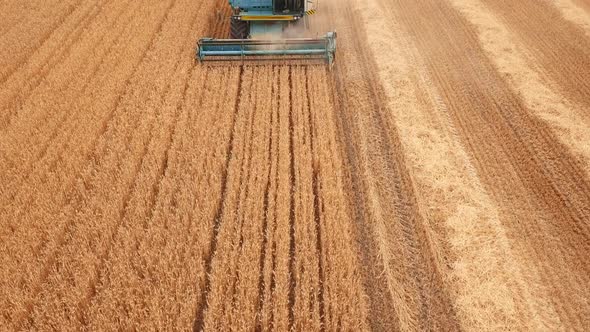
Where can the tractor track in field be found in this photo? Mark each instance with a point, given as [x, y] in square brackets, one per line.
[56, 54]
[113, 113]
[199, 323]
[8, 69]
[58, 131]
[27, 84]
[432, 308]
[542, 166]
[62, 120]
[585, 5]
[437, 178]
[560, 47]
[71, 231]
[144, 168]
[104, 127]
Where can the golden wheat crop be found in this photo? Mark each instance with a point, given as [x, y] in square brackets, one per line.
[436, 178]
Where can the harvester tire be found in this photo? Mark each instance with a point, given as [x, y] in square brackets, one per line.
[238, 29]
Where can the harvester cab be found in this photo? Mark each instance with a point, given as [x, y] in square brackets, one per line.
[263, 29]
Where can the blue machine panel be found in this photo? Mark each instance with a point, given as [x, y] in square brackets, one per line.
[252, 4]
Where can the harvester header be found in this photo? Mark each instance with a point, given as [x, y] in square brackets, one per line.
[258, 29]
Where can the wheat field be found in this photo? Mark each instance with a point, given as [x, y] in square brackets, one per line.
[437, 178]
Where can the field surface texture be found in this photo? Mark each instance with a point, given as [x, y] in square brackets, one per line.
[436, 179]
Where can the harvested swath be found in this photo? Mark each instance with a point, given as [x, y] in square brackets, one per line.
[575, 11]
[569, 121]
[561, 48]
[532, 181]
[488, 277]
[397, 239]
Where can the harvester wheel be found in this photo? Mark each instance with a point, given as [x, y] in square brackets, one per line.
[238, 29]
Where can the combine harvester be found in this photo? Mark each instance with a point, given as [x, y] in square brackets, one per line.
[258, 30]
